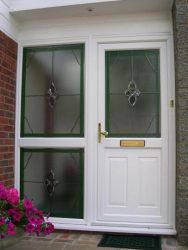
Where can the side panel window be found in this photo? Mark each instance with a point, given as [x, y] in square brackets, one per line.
[52, 93]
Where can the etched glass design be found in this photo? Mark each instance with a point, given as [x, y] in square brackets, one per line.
[53, 179]
[133, 93]
[52, 93]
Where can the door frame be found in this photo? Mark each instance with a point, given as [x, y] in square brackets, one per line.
[165, 43]
[91, 144]
[52, 142]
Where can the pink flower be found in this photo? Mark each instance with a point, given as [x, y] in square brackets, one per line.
[2, 221]
[13, 211]
[27, 204]
[17, 217]
[32, 220]
[2, 186]
[38, 229]
[11, 225]
[11, 231]
[12, 196]
[28, 213]
[39, 220]
[35, 210]
[3, 194]
[15, 214]
[49, 228]
[40, 213]
[29, 228]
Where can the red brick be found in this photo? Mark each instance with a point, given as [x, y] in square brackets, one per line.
[10, 87]
[4, 177]
[4, 120]
[11, 135]
[3, 163]
[10, 162]
[9, 100]
[2, 99]
[8, 57]
[4, 135]
[8, 170]
[4, 77]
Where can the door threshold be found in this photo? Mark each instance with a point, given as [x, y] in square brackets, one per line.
[141, 230]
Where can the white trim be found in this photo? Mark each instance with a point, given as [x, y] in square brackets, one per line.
[52, 142]
[22, 5]
[128, 229]
[7, 23]
[18, 115]
[172, 130]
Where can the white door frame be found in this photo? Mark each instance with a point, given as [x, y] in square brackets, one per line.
[151, 144]
[165, 44]
[90, 144]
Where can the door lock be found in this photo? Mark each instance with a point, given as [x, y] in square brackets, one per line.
[100, 133]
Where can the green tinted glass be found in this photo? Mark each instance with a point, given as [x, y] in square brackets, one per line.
[52, 92]
[133, 93]
[53, 179]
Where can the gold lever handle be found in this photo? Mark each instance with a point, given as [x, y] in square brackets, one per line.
[100, 133]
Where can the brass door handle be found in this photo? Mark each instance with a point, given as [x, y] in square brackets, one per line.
[100, 133]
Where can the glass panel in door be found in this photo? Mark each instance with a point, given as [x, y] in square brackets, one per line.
[53, 179]
[53, 106]
[52, 93]
[133, 93]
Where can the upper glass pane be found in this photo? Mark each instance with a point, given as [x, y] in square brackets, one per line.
[52, 93]
[133, 93]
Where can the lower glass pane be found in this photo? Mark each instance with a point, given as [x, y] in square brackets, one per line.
[53, 179]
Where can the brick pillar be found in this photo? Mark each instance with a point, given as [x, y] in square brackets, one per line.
[180, 19]
[8, 59]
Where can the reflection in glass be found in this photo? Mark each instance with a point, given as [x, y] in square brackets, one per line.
[53, 179]
[52, 94]
[133, 93]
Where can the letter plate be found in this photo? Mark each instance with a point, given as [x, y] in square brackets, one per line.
[132, 143]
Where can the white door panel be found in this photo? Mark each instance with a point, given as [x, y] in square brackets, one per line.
[130, 186]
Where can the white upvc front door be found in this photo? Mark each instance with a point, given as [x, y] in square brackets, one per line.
[123, 188]
[133, 103]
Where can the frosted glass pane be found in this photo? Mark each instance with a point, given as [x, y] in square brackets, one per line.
[52, 95]
[133, 74]
[62, 195]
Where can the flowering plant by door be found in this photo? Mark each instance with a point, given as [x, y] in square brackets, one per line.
[20, 214]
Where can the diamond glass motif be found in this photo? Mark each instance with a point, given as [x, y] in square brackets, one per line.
[52, 95]
[51, 183]
[132, 93]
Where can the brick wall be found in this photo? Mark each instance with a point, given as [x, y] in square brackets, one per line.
[8, 57]
[180, 18]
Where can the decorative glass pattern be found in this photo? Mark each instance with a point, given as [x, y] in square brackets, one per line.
[52, 95]
[53, 92]
[53, 179]
[133, 93]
